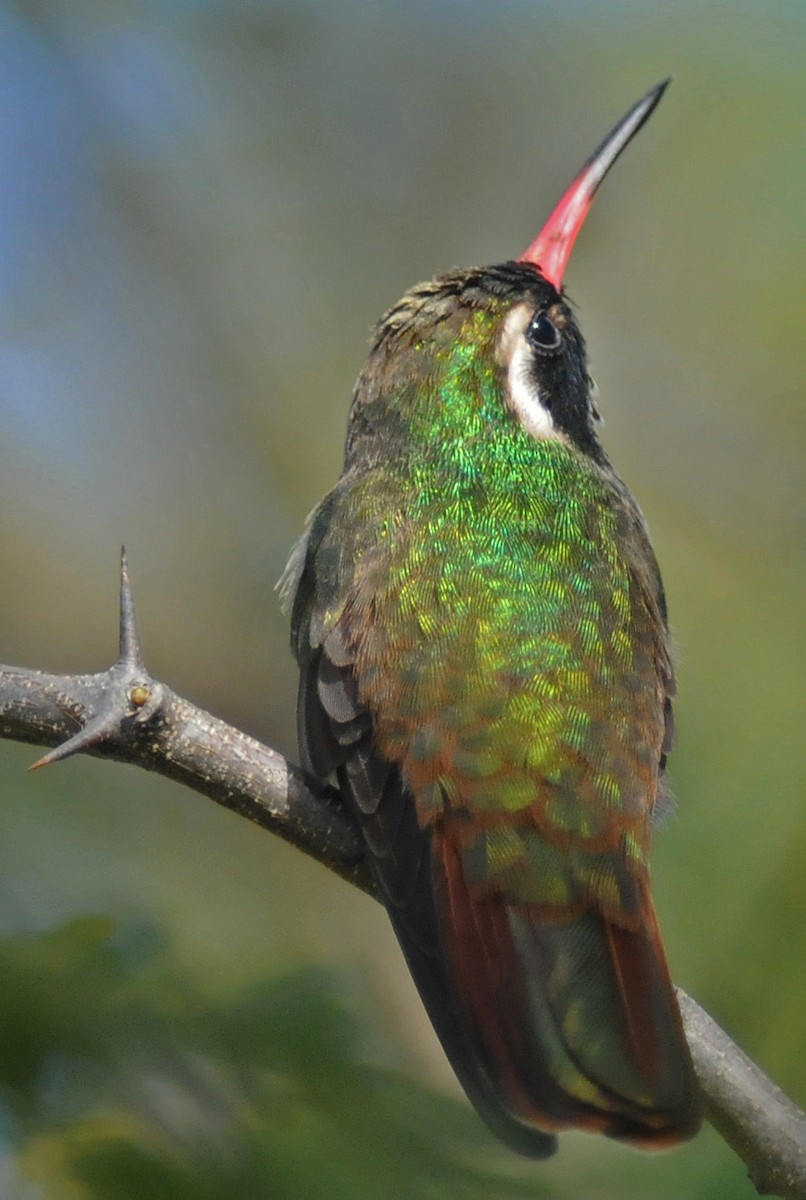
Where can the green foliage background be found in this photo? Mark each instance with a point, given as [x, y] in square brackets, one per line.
[204, 205]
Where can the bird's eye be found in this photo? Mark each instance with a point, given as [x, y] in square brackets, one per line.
[542, 334]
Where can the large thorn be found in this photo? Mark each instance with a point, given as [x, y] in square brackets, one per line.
[128, 692]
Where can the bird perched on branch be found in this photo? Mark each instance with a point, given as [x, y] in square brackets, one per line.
[485, 668]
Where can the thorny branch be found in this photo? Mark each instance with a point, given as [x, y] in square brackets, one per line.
[124, 714]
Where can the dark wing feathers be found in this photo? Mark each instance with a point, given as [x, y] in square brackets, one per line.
[366, 778]
[335, 739]
[338, 693]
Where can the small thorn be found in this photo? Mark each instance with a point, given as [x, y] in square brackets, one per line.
[46, 759]
[130, 648]
[95, 731]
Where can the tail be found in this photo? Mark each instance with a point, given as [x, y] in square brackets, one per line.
[553, 1024]
[549, 1024]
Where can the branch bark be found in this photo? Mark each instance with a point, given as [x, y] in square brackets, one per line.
[757, 1120]
[126, 715]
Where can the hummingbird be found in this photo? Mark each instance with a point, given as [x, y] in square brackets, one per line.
[486, 673]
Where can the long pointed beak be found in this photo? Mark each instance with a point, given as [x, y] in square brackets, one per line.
[552, 247]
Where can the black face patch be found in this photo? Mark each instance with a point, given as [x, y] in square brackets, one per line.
[558, 367]
[560, 379]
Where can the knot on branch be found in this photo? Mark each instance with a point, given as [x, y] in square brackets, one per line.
[123, 697]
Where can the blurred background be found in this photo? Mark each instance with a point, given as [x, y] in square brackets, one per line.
[204, 206]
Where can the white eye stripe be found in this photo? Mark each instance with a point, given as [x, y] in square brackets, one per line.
[522, 395]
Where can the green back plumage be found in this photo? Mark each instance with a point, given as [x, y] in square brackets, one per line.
[515, 659]
[479, 611]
